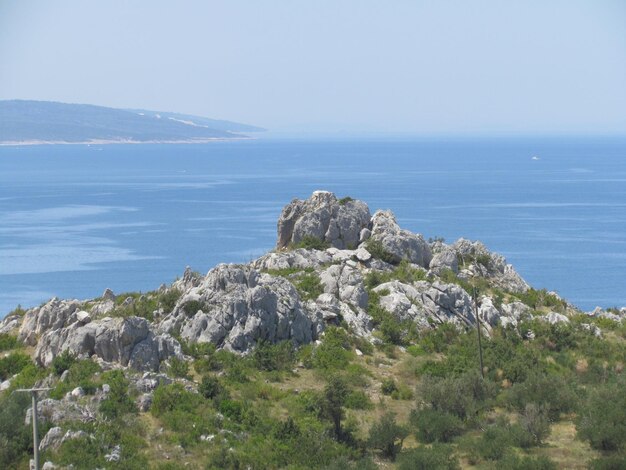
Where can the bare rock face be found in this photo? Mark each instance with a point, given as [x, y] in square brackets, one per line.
[323, 216]
[126, 341]
[427, 304]
[300, 258]
[52, 315]
[238, 306]
[400, 243]
[479, 261]
[445, 259]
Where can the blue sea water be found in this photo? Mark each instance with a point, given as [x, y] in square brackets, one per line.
[75, 219]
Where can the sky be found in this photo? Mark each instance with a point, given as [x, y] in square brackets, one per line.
[466, 67]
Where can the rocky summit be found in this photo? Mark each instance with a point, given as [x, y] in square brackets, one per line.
[332, 260]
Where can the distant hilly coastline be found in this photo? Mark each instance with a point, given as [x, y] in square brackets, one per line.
[24, 122]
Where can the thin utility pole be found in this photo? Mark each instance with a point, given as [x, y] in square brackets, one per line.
[33, 392]
[480, 346]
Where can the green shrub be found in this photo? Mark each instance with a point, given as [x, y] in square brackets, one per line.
[553, 393]
[63, 362]
[358, 400]
[8, 342]
[437, 457]
[388, 386]
[117, 402]
[435, 425]
[344, 200]
[494, 443]
[332, 402]
[173, 397]
[612, 462]
[514, 462]
[272, 357]
[462, 396]
[179, 367]
[602, 418]
[309, 286]
[334, 352]
[532, 428]
[80, 374]
[310, 242]
[210, 387]
[404, 272]
[13, 364]
[378, 251]
[15, 438]
[387, 436]
[192, 307]
[167, 300]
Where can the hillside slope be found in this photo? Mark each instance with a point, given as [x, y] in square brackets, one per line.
[24, 121]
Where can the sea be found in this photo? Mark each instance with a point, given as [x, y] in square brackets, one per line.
[77, 219]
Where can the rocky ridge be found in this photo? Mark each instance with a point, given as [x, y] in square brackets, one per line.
[332, 261]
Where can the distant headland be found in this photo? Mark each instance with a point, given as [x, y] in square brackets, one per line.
[24, 122]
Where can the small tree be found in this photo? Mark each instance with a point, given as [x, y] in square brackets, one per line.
[333, 400]
[387, 436]
[602, 419]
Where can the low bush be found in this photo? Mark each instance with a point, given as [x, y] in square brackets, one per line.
[387, 436]
[532, 428]
[173, 397]
[436, 457]
[13, 364]
[8, 342]
[63, 362]
[435, 426]
[118, 402]
[552, 393]
[388, 386]
[514, 462]
[602, 417]
[378, 251]
[274, 357]
[178, 367]
[310, 242]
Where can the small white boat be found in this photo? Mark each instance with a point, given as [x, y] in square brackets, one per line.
[535, 157]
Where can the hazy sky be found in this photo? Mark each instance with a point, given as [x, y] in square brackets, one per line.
[415, 66]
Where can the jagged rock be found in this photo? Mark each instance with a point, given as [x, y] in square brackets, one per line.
[363, 255]
[10, 323]
[6, 384]
[78, 392]
[427, 304]
[83, 317]
[115, 455]
[324, 217]
[102, 308]
[108, 295]
[401, 244]
[300, 258]
[144, 402]
[52, 439]
[59, 411]
[488, 313]
[127, 341]
[365, 235]
[52, 315]
[48, 466]
[479, 261]
[513, 313]
[444, 259]
[189, 280]
[241, 306]
[593, 329]
[346, 283]
[554, 318]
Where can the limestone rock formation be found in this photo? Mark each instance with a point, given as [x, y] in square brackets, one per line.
[236, 306]
[323, 216]
[127, 341]
[399, 243]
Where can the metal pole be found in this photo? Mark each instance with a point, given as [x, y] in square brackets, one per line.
[33, 392]
[35, 431]
[480, 346]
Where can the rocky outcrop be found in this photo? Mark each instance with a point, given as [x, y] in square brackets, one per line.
[427, 304]
[126, 341]
[324, 217]
[399, 243]
[479, 262]
[236, 306]
[53, 315]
